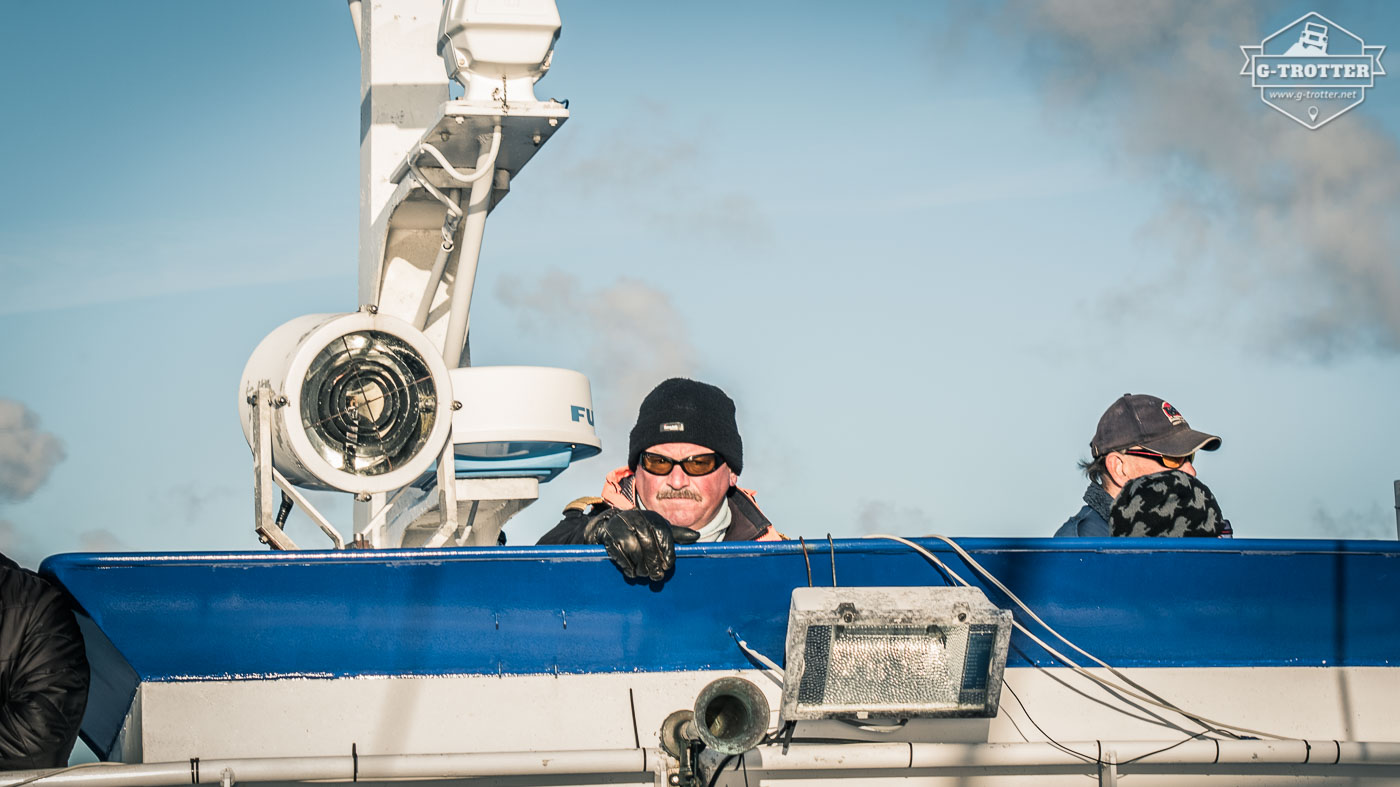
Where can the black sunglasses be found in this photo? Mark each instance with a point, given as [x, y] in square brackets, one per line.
[700, 464]
[1169, 462]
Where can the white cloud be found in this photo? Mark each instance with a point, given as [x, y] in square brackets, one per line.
[27, 454]
[1295, 224]
[631, 334]
[660, 178]
[1372, 523]
[880, 516]
[18, 546]
[100, 540]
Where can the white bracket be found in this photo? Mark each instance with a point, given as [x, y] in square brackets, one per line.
[447, 497]
[267, 478]
[265, 521]
[1108, 769]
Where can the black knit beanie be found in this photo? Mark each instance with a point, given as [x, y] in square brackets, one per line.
[686, 411]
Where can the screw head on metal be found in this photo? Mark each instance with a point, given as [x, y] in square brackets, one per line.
[362, 497]
[456, 405]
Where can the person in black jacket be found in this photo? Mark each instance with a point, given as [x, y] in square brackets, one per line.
[679, 486]
[43, 672]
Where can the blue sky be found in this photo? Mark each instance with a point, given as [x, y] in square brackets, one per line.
[923, 246]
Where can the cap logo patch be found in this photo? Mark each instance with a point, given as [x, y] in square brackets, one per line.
[1172, 415]
[673, 426]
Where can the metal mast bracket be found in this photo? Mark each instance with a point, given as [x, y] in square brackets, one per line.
[264, 485]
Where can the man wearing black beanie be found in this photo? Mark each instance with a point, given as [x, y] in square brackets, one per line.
[679, 486]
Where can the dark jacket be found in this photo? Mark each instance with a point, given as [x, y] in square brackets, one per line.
[746, 523]
[43, 672]
[1092, 519]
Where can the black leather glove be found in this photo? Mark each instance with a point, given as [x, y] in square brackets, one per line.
[641, 543]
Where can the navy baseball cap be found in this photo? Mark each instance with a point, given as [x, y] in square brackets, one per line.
[1139, 419]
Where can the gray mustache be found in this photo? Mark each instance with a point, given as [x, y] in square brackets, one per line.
[687, 494]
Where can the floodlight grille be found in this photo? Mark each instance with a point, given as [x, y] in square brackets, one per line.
[893, 652]
[368, 403]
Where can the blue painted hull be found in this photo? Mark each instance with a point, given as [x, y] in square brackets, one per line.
[1143, 603]
[567, 610]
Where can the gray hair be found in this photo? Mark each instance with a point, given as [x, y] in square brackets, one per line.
[1096, 469]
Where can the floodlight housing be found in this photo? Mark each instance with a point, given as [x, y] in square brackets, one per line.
[362, 401]
[901, 653]
[498, 49]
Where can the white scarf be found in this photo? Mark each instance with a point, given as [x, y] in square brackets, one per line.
[718, 525]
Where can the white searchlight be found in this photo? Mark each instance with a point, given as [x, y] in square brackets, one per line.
[359, 403]
[498, 49]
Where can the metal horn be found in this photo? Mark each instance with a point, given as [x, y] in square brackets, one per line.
[731, 715]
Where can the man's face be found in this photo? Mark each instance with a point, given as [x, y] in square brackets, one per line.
[1133, 463]
[685, 501]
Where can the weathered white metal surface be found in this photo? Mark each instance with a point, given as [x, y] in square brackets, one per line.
[428, 183]
[402, 86]
[1147, 762]
[408, 227]
[1246, 762]
[311, 717]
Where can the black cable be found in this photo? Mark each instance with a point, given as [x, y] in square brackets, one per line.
[832, 545]
[1143, 689]
[777, 738]
[823, 741]
[938, 566]
[1066, 749]
[807, 558]
[283, 511]
[1146, 716]
[1018, 728]
[1165, 748]
[718, 770]
[636, 736]
[1149, 716]
[1052, 741]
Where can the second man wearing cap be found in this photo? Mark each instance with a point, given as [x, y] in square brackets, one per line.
[1138, 435]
